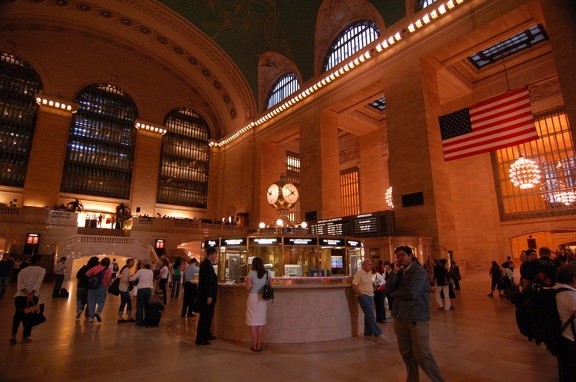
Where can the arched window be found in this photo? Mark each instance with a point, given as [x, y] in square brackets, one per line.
[353, 39]
[19, 82]
[101, 143]
[285, 86]
[421, 4]
[185, 160]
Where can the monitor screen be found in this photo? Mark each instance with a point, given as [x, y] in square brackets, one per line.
[336, 262]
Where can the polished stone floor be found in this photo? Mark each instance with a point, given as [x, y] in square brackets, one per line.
[478, 341]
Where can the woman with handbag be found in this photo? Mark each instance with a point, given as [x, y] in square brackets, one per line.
[256, 306]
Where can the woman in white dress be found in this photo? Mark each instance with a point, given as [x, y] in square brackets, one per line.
[256, 307]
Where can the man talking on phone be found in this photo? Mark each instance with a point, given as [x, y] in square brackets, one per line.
[410, 289]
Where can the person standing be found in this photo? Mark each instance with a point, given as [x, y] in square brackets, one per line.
[98, 296]
[176, 278]
[190, 288]
[379, 295]
[28, 285]
[163, 280]
[256, 306]
[114, 268]
[125, 297]
[362, 285]
[566, 303]
[410, 288]
[59, 273]
[82, 286]
[528, 270]
[442, 280]
[206, 298]
[455, 274]
[496, 279]
[145, 279]
[6, 265]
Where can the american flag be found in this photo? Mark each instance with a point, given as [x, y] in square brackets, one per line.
[487, 126]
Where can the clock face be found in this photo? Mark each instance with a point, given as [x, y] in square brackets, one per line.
[272, 194]
[290, 193]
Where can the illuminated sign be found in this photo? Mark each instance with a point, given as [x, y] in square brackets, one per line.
[211, 243]
[32, 238]
[332, 242]
[234, 242]
[300, 241]
[160, 243]
[353, 243]
[265, 241]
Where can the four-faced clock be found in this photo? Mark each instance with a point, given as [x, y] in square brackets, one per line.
[290, 193]
[273, 193]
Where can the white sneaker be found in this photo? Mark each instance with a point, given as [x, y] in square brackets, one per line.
[382, 338]
[90, 320]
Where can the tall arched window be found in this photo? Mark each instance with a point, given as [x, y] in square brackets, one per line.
[421, 4]
[101, 143]
[285, 86]
[185, 160]
[356, 37]
[18, 111]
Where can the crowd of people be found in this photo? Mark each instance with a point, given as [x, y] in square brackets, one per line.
[404, 284]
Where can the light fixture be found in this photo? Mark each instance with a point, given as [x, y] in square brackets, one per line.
[388, 197]
[303, 224]
[262, 225]
[280, 223]
[524, 173]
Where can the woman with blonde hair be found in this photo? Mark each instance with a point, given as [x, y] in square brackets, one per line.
[256, 306]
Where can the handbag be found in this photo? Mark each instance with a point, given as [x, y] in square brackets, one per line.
[114, 288]
[34, 315]
[267, 291]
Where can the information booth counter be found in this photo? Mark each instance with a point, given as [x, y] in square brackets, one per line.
[311, 276]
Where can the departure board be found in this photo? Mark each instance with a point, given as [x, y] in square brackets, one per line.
[372, 224]
[366, 225]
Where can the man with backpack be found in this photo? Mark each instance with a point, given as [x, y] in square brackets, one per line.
[566, 304]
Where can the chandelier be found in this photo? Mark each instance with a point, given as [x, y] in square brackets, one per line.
[389, 198]
[524, 173]
[565, 194]
[565, 197]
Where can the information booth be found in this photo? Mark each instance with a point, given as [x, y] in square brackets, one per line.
[311, 276]
[289, 256]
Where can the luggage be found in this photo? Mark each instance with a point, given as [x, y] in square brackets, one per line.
[64, 293]
[153, 311]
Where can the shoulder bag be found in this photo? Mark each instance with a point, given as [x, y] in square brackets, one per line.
[267, 291]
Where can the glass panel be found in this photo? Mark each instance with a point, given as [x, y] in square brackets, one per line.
[283, 88]
[293, 176]
[351, 41]
[349, 191]
[101, 143]
[553, 152]
[185, 160]
[19, 82]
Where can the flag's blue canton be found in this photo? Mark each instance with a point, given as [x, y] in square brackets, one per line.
[455, 124]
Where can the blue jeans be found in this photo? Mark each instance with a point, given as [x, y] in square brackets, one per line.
[142, 299]
[58, 281]
[125, 302]
[96, 296]
[370, 326]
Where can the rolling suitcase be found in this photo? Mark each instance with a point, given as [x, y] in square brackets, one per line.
[153, 311]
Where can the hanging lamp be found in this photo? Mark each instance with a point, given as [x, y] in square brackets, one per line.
[524, 173]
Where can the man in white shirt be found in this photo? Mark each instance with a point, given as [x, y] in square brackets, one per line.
[190, 288]
[364, 289]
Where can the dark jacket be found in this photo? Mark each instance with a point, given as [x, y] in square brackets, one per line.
[82, 278]
[207, 283]
[411, 294]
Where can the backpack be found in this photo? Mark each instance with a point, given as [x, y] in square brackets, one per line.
[537, 316]
[95, 281]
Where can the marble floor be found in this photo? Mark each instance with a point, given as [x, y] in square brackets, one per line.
[478, 341]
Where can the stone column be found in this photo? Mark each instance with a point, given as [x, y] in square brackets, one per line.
[48, 153]
[320, 171]
[145, 172]
[560, 18]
